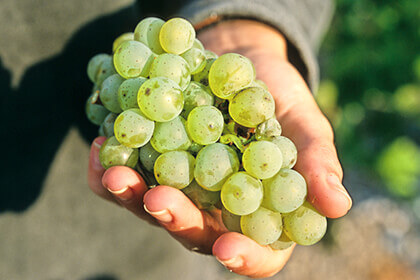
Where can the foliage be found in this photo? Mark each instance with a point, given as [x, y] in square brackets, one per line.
[372, 96]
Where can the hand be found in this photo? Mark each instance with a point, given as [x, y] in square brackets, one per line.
[301, 120]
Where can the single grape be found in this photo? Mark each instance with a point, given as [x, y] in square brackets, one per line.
[205, 124]
[195, 59]
[242, 194]
[160, 99]
[173, 67]
[230, 73]
[252, 106]
[112, 153]
[214, 164]
[210, 54]
[95, 111]
[107, 126]
[133, 59]
[175, 169]
[94, 64]
[147, 32]
[262, 159]
[268, 130]
[305, 225]
[133, 129]
[127, 93]
[109, 93]
[282, 243]
[106, 69]
[177, 35]
[231, 221]
[202, 198]
[264, 226]
[148, 156]
[284, 192]
[129, 36]
[170, 136]
[198, 45]
[288, 149]
[203, 76]
[196, 95]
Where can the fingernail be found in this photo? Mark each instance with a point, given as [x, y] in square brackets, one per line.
[123, 194]
[234, 262]
[163, 215]
[335, 184]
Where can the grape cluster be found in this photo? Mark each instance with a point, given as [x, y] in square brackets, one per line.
[186, 118]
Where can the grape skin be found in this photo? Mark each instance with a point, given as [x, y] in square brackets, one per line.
[242, 194]
[282, 243]
[147, 32]
[112, 153]
[176, 36]
[196, 95]
[262, 159]
[170, 136]
[127, 93]
[148, 156]
[175, 168]
[202, 198]
[107, 126]
[305, 225]
[129, 36]
[133, 59]
[95, 112]
[284, 192]
[133, 129]
[109, 93]
[264, 226]
[288, 150]
[94, 65]
[173, 67]
[205, 124]
[231, 221]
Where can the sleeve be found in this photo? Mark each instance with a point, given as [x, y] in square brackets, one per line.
[302, 22]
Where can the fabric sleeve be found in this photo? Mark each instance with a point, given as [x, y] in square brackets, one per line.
[302, 22]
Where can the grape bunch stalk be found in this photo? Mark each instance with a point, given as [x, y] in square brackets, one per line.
[186, 118]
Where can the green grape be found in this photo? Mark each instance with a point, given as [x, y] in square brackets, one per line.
[129, 36]
[195, 148]
[203, 76]
[170, 136]
[127, 93]
[175, 169]
[173, 67]
[107, 126]
[198, 45]
[133, 59]
[95, 112]
[282, 243]
[214, 164]
[262, 159]
[230, 73]
[202, 198]
[305, 225]
[112, 153]
[147, 32]
[176, 36]
[259, 83]
[160, 99]
[288, 149]
[264, 226]
[268, 130]
[252, 106]
[195, 59]
[242, 194]
[106, 69]
[210, 54]
[94, 64]
[231, 221]
[205, 124]
[148, 156]
[109, 93]
[284, 192]
[133, 129]
[196, 95]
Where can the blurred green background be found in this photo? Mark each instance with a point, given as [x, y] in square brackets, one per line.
[371, 90]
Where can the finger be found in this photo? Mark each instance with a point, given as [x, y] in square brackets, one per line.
[95, 171]
[128, 188]
[195, 229]
[303, 122]
[244, 256]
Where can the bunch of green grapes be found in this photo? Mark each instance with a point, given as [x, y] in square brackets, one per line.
[186, 118]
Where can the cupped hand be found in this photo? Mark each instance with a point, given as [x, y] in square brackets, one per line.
[301, 121]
